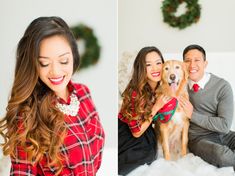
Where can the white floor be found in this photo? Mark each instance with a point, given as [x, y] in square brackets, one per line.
[109, 163]
[4, 165]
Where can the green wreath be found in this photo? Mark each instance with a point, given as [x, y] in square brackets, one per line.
[92, 48]
[191, 15]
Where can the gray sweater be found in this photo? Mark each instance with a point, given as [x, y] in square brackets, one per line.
[213, 109]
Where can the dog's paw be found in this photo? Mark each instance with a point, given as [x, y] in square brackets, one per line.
[167, 157]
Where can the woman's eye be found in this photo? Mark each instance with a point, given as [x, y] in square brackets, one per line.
[43, 64]
[148, 65]
[65, 61]
[159, 63]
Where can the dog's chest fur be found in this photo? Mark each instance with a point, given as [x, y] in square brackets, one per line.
[178, 118]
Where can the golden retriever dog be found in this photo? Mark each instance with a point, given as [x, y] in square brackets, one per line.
[174, 130]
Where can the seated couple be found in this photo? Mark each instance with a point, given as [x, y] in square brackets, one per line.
[209, 109]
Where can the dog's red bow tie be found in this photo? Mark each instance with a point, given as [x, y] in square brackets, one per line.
[165, 114]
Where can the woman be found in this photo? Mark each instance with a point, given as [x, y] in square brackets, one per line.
[136, 137]
[51, 126]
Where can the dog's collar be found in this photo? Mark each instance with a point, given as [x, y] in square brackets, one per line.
[165, 114]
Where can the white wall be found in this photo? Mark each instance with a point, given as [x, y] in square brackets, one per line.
[140, 23]
[101, 15]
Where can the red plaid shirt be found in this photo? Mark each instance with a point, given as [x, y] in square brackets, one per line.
[82, 146]
[134, 124]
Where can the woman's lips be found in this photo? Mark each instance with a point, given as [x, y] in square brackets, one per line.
[57, 81]
[155, 74]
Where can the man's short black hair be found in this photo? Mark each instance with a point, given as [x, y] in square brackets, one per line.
[194, 46]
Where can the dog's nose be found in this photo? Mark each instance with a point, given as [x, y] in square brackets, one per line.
[172, 77]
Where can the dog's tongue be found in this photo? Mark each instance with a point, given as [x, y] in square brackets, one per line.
[173, 86]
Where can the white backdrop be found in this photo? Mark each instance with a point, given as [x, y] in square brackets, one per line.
[140, 23]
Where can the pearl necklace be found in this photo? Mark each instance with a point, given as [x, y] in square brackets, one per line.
[72, 108]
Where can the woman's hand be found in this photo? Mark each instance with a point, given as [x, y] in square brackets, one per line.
[160, 102]
[186, 106]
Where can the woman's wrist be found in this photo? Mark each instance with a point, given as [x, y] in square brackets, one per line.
[151, 117]
[154, 110]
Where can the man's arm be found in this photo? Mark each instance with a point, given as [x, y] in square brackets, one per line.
[223, 120]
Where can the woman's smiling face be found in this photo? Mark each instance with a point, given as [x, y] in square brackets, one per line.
[56, 64]
[153, 68]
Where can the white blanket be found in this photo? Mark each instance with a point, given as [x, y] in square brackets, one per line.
[189, 165]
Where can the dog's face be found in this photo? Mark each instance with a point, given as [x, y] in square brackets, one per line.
[174, 74]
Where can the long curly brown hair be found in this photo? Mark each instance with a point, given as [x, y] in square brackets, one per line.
[138, 83]
[32, 122]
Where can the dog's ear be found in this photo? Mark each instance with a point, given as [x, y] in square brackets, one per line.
[186, 72]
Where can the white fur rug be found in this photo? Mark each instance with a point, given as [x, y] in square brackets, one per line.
[189, 165]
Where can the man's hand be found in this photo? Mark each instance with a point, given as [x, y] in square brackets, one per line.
[186, 106]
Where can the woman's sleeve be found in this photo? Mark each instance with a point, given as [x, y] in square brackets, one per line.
[94, 126]
[134, 125]
[20, 166]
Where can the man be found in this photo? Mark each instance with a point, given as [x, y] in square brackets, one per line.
[210, 111]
